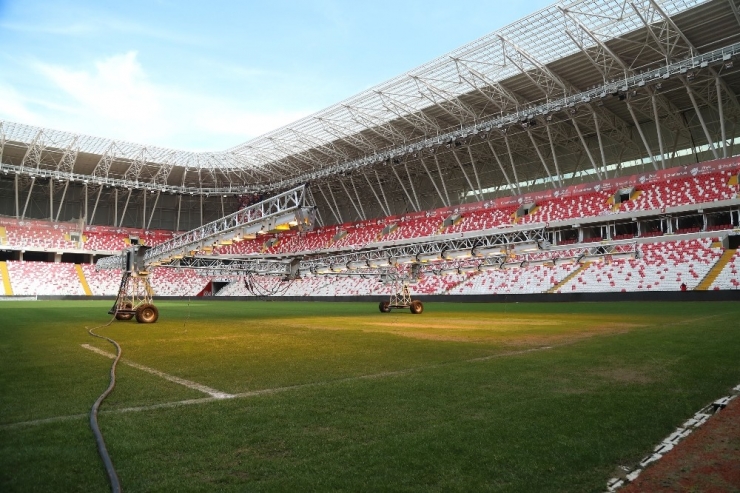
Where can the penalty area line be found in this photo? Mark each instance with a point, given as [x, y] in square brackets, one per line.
[216, 394]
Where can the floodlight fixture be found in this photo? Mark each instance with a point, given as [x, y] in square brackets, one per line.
[564, 260]
[511, 265]
[535, 263]
[429, 257]
[489, 251]
[378, 263]
[456, 254]
[357, 264]
[526, 248]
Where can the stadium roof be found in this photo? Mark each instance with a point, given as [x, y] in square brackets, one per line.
[537, 67]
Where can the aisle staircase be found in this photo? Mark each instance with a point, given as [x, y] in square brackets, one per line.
[83, 281]
[715, 270]
[6, 279]
[570, 276]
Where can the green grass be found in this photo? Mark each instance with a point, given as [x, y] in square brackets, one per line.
[460, 398]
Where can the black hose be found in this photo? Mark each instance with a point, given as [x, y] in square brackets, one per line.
[115, 484]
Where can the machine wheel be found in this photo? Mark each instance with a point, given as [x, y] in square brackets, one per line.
[125, 316]
[147, 314]
[416, 307]
[385, 306]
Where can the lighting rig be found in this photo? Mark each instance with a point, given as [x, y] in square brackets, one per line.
[399, 264]
[285, 211]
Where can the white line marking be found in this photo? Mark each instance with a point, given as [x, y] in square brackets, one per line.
[254, 393]
[216, 394]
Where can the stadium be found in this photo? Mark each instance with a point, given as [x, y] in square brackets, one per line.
[511, 268]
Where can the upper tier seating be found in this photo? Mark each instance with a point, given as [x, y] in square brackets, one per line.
[671, 193]
[38, 235]
[482, 220]
[563, 208]
[414, 228]
[105, 241]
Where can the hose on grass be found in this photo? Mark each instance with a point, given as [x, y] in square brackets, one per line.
[115, 484]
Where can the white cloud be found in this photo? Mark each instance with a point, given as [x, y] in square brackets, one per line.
[14, 107]
[117, 99]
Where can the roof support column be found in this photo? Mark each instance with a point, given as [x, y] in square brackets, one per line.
[143, 213]
[601, 144]
[475, 172]
[701, 120]
[51, 199]
[28, 197]
[334, 213]
[380, 202]
[17, 209]
[179, 210]
[472, 188]
[441, 178]
[585, 147]
[413, 189]
[95, 207]
[201, 210]
[720, 109]
[404, 189]
[512, 186]
[85, 212]
[382, 192]
[61, 202]
[319, 219]
[554, 155]
[351, 201]
[542, 159]
[511, 159]
[357, 195]
[642, 135]
[433, 182]
[125, 206]
[657, 129]
[154, 208]
[115, 208]
[334, 199]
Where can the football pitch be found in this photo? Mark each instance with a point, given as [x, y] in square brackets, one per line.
[299, 396]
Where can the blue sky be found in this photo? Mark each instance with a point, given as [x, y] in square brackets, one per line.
[210, 75]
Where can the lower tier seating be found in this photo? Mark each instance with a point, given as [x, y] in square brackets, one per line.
[660, 266]
[44, 278]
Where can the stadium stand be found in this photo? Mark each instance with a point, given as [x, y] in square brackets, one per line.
[662, 266]
[521, 280]
[102, 282]
[177, 282]
[40, 235]
[44, 278]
